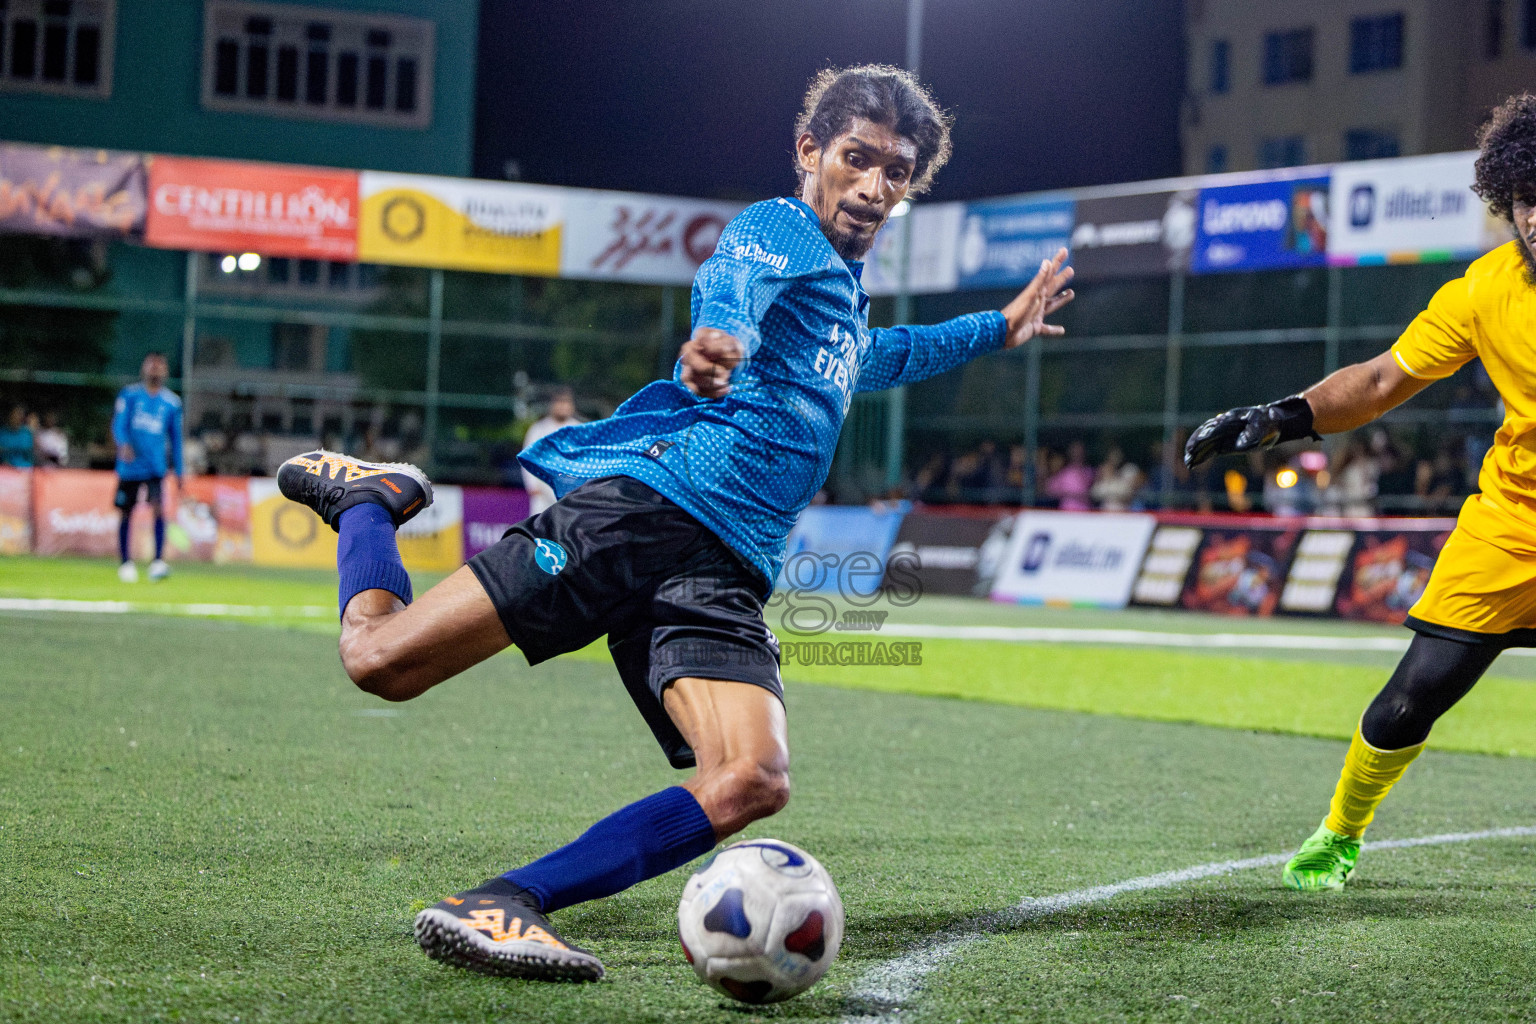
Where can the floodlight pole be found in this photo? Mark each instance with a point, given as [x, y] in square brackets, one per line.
[896, 401]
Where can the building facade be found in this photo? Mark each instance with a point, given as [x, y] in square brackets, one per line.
[1295, 82]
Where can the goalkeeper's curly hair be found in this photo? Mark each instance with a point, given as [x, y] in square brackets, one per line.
[1506, 172]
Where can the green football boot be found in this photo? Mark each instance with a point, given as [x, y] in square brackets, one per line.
[1323, 862]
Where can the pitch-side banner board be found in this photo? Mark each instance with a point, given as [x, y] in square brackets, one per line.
[1073, 558]
[931, 269]
[840, 547]
[1003, 241]
[1266, 225]
[15, 511]
[1142, 235]
[1417, 209]
[629, 236]
[420, 220]
[949, 553]
[284, 533]
[75, 193]
[232, 206]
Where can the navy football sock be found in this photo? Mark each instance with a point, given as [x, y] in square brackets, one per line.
[122, 534]
[648, 838]
[366, 554]
[159, 537]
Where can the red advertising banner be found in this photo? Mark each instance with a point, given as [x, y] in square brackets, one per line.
[74, 512]
[213, 520]
[75, 193]
[232, 206]
[15, 511]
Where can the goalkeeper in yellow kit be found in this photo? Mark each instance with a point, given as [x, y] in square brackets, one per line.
[1481, 597]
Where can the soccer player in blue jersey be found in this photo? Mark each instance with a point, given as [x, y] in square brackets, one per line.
[146, 424]
[673, 518]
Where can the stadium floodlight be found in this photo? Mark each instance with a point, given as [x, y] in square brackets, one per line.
[228, 264]
[902, 208]
[249, 261]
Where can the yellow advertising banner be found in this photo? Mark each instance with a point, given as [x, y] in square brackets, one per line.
[420, 220]
[287, 534]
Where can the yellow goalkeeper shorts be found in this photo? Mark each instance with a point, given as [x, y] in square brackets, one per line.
[1484, 581]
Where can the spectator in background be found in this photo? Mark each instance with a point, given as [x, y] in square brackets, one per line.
[1397, 469]
[561, 413]
[1356, 475]
[16, 443]
[1117, 482]
[1440, 483]
[928, 482]
[51, 443]
[1070, 485]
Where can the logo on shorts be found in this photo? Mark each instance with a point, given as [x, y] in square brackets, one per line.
[549, 556]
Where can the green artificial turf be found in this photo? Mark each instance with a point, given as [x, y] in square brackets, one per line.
[204, 821]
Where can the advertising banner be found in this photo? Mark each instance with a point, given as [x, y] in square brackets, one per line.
[488, 512]
[1266, 225]
[1083, 558]
[1134, 236]
[1166, 565]
[950, 552]
[233, 206]
[284, 533]
[627, 236]
[75, 193]
[1241, 571]
[74, 513]
[935, 233]
[212, 521]
[418, 220]
[1003, 241]
[15, 511]
[840, 547]
[1387, 570]
[1416, 209]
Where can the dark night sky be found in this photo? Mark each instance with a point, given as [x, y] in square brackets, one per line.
[697, 97]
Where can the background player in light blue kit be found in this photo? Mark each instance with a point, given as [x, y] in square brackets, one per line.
[673, 518]
[146, 424]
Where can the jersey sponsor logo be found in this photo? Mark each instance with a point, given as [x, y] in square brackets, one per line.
[549, 556]
[658, 449]
[757, 254]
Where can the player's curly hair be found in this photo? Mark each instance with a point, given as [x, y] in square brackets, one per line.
[884, 95]
[1506, 172]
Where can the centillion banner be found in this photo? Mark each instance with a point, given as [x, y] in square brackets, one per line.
[420, 220]
[287, 534]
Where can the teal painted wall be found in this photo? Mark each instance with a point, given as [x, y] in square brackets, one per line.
[157, 87]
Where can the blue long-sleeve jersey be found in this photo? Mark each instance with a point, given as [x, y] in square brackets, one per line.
[747, 464]
[149, 423]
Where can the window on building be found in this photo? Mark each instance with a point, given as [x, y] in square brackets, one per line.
[1371, 144]
[1283, 151]
[1376, 44]
[312, 62]
[1288, 56]
[1221, 67]
[1216, 159]
[1493, 30]
[57, 46]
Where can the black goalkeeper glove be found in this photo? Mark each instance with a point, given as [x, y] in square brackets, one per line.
[1251, 427]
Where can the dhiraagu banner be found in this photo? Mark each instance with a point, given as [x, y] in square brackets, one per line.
[420, 220]
[287, 534]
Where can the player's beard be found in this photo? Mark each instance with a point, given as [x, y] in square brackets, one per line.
[1527, 240]
[850, 245]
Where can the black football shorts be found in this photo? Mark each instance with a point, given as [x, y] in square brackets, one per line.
[128, 492]
[615, 558]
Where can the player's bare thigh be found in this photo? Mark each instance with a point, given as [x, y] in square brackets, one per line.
[398, 651]
[740, 738]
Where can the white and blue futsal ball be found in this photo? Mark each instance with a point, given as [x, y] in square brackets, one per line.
[761, 921]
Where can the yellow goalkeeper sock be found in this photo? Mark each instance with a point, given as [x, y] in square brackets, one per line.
[1367, 777]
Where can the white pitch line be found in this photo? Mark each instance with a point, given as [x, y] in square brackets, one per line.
[888, 988]
[1153, 638]
[243, 611]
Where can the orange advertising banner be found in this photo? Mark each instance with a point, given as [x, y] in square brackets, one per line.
[235, 206]
[74, 512]
[15, 511]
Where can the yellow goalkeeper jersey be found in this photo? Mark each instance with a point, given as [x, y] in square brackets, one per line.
[1490, 313]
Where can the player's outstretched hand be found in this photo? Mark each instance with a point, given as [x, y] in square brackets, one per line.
[708, 359]
[1250, 427]
[1043, 296]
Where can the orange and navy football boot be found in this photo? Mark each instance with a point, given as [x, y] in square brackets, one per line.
[331, 483]
[497, 929]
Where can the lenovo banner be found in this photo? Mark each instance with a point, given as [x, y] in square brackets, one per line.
[1266, 225]
[1418, 209]
[1003, 241]
[950, 552]
[76, 193]
[627, 236]
[500, 227]
[273, 209]
[1144, 235]
[1073, 558]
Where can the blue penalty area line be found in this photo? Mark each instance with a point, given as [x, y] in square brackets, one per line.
[886, 990]
[1153, 638]
[234, 611]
